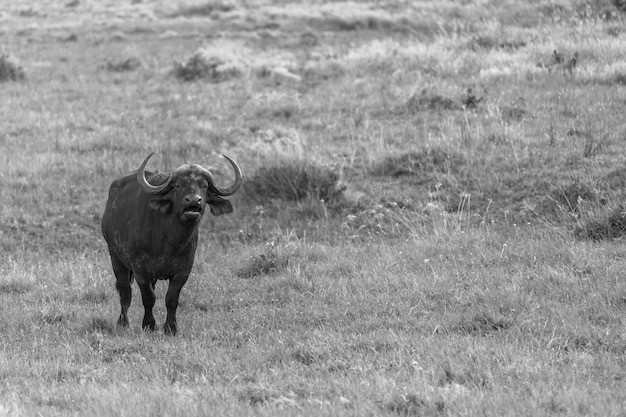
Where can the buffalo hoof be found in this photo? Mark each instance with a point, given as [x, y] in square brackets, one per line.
[149, 325]
[170, 328]
[122, 321]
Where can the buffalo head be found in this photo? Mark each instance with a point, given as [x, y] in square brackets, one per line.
[186, 191]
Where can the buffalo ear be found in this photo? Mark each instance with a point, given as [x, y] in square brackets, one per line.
[219, 206]
[163, 206]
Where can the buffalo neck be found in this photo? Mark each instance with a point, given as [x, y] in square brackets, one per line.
[168, 232]
[180, 233]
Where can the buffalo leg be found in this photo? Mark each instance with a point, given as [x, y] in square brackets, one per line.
[148, 297]
[123, 277]
[171, 303]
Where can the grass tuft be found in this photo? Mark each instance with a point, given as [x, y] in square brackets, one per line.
[483, 323]
[611, 226]
[414, 405]
[428, 100]
[262, 396]
[513, 113]
[124, 65]
[97, 324]
[51, 315]
[571, 196]
[472, 378]
[419, 164]
[489, 42]
[14, 287]
[204, 65]
[307, 356]
[9, 70]
[95, 296]
[206, 9]
[263, 264]
[294, 181]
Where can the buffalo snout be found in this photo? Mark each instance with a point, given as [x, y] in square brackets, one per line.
[193, 200]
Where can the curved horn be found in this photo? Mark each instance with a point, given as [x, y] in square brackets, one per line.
[145, 185]
[232, 189]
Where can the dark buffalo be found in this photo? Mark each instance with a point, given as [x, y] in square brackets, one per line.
[150, 224]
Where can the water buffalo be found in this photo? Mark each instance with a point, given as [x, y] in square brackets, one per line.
[150, 224]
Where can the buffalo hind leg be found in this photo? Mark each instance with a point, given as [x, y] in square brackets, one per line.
[124, 278]
[171, 303]
[148, 297]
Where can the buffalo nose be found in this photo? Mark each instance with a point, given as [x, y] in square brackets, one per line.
[193, 199]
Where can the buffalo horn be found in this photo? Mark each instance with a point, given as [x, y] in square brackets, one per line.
[147, 187]
[232, 189]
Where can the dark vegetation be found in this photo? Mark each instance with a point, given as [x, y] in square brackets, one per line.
[413, 405]
[9, 70]
[123, 65]
[206, 9]
[421, 165]
[294, 181]
[606, 226]
[200, 66]
[263, 264]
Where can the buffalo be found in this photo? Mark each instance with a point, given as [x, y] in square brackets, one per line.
[150, 224]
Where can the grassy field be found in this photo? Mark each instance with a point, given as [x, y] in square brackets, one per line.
[430, 225]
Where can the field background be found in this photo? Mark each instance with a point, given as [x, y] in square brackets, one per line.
[430, 223]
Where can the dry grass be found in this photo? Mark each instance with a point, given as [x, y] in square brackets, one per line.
[431, 222]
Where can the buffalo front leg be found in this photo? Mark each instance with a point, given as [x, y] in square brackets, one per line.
[171, 303]
[148, 297]
[123, 277]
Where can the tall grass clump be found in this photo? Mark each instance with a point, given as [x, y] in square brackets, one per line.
[611, 225]
[422, 163]
[205, 9]
[213, 66]
[293, 180]
[124, 65]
